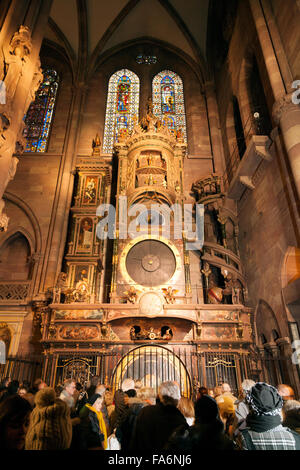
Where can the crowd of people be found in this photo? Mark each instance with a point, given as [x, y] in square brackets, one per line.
[136, 420]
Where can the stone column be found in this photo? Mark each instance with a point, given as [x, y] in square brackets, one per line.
[267, 49]
[273, 349]
[59, 222]
[214, 125]
[20, 42]
[286, 114]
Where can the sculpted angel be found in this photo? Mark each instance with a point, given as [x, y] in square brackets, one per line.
[169, 294]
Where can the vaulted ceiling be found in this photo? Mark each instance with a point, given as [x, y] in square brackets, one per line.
[90, 28]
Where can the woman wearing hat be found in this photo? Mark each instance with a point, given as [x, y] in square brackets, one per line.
[92, 425]
[50, 425]
[264, 430]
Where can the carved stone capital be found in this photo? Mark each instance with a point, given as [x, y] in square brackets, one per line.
[3, 222]
[282, 106]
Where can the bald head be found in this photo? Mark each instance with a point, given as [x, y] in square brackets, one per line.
[286, 392]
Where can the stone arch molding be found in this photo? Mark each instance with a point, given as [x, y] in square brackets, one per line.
[34, 238]
[265, 322]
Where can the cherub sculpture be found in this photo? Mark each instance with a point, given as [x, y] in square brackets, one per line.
[131, 295]
[169, 294]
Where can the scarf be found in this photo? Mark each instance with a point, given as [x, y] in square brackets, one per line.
[101, 423]
[262, 423]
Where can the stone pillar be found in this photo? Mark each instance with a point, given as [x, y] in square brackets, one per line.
[20, 42]
[214, 125]
[59, 222]
[267, 49]
[273, 349]
[286, 114]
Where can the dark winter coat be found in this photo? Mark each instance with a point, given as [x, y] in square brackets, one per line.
[154, 426]
[292, 420]
[127, 427]
[119, 411]
[89, 430]
[200, 437]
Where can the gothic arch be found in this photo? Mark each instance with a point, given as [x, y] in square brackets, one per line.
[15, 257]
[37, 241]
[265, 322]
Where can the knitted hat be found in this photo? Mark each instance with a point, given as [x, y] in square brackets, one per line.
[50, 425]
[264, 399]
[93, 398]
[131, 393]
[206, 409]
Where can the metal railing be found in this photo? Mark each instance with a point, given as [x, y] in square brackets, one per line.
[22, 367]
[152, 364]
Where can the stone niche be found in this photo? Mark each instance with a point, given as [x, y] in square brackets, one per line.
[155, 329]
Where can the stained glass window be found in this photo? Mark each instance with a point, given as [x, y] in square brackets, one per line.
[40, 113]
[122, 106]
[168, 100]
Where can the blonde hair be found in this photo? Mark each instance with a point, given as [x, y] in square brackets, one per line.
[186, 407]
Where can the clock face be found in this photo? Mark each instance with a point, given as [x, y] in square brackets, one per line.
[150, 263]
[150, 304]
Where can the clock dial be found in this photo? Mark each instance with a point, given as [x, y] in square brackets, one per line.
[150, 263]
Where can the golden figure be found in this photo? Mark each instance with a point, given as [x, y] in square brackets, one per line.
[96, 145]
[131, 295]
[169, 294]
[215, 295]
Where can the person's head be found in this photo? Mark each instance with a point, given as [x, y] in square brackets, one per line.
[58, 389]
[226, 388]
[206, 410]
[218, 391]
[169, 393]
[22, 391]
[264, 400]
[50, 425]
[290, 405]
[95, 381]
[96, 401]
[210, 392]
[246, 385]
[138, 384]
[127, 384]
[78, 386]
[202, 391]
[108, 398]
[147, 394]
[25, 384]
[286, 392]
[100, 389]
[186, 407]
[70, 386]
[39, 384]
[131, 393]
[5, 382]
[13, 387]
[14, 421]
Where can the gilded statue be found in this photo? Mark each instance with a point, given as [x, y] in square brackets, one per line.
[169, 294]
[131, 295]
[96, 145]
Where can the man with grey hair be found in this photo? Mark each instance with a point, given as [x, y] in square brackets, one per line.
[241, 407]
[156, 423]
